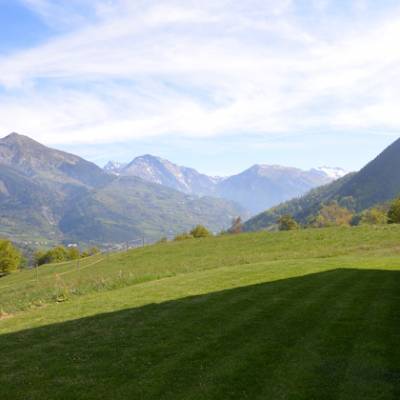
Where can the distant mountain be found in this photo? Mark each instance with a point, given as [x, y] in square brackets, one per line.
[332, 172]
[37, 161]
[130, 207]
[263, 186]
[158, 170]
[377, 182]
[255, 189]
[53, 195]
[114, 167]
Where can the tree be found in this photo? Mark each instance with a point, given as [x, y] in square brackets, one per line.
[56, 254]
[237, 226]
[287, 223]
[73, 253]
[374, 216]
[10, 257]
[200, 231]
[332, 215]
[394, 212]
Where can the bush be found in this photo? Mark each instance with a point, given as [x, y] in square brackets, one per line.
[287, 223]
[73, 253]
[90, 252]
[10, 257]
[200, 231]
[56, 254]
[332, 215]
[183, 236]
[394, 212]
[374, 216]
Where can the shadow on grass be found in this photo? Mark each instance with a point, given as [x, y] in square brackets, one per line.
[323, 336]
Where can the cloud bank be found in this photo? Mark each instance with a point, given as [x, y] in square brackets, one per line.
[122, 70]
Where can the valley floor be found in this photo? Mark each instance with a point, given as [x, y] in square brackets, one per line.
[297, 315]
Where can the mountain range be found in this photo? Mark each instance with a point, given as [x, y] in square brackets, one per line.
[255, 189]
[378, 182]
[47, 194]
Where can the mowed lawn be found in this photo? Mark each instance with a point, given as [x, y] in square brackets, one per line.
[297, 315]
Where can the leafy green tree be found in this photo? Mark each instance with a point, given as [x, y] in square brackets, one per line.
[287, 223]
[56, 254]
[200, 231]
[394, 212]
[374, 216]
[332, 215]
[10, 257]
[73, 253]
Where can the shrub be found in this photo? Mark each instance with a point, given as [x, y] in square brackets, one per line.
[54, 255]
[287, 223]
[394, 212]
[10, 257]
[332, 215]
[374, 216]
[200, 231]
[183, 236]
[73, 253]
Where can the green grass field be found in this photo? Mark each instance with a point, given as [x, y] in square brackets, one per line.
[313, 314]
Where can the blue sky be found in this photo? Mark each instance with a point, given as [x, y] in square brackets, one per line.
[217, 85]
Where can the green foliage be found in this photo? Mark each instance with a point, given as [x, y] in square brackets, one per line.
[162, 240]
[90, 252]
[332, 215]
[287, 223]
[374, 216]
[200, 231]
[10, 257]
[73, 253]
[394, 212]
[183, 236]
[57, 254]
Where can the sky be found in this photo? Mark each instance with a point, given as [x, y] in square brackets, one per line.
[217, 85]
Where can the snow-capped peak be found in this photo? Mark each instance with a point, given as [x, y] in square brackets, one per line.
[333, 172]
[114, 167]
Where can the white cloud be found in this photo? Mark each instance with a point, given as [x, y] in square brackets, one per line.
[149, 68]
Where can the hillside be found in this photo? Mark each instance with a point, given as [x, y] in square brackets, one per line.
[48, 195]
[377, 182]
[130, 208]
[255, 189]
[161, 171]
[216, 318]
[263, 186]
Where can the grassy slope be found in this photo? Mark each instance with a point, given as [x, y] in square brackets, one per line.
[302, 315]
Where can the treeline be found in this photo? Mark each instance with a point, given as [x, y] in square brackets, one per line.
[61, 253]
[334, 214]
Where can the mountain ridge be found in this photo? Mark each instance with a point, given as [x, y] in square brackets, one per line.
[377, 182]
[47, 193]
[257, 188]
